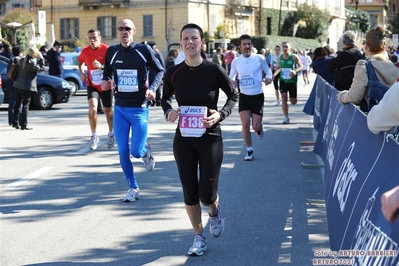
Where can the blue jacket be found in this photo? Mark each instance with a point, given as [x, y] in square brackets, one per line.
[140, 57]
[320, 67]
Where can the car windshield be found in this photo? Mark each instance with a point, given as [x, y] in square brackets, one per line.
[69, 58]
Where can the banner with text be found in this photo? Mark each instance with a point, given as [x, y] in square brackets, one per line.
[359, 167]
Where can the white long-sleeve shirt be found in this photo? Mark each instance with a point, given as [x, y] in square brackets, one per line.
[385, 115]
[249, 72]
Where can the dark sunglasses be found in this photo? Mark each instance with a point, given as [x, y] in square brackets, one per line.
[128, 29]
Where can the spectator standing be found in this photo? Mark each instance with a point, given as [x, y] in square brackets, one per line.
[6, 51]
[288, 66]
[44, 49]
[319, 65]
[54, 60]
[344, 63]
[171, 58]
[217, 57]
[385, 115]
[25, 84]
[93, 56]
[230, 55]
[17, 53]
[385, 70]
[248, 70]
[126, 66]
[152, 74]
[310, 53]
[196, 84]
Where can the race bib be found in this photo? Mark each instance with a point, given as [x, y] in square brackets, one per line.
[285, 73]
[190, 121]
[247, 81]
[127, 80]
[96, 76]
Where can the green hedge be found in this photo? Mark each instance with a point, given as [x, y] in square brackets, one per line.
[270, 41]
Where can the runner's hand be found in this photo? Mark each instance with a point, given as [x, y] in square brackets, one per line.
[105, 85]
[149, 94]
[211, 120]
[173, 115]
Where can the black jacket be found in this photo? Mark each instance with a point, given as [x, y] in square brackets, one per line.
[135, 57]
[54, 63]
[26, 78]
[344, 66]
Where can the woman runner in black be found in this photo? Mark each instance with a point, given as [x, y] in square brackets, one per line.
[198, 139]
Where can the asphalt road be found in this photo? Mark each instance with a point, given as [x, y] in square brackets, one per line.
[61, 204]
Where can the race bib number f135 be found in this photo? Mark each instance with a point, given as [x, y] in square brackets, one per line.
[190, 121]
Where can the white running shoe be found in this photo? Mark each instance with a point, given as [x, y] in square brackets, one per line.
[278, 103]
[199, 246]
[260, 135]
[250, 156]
[111, 141]
[217, 224]
[148, 159]
[93, 142]
[132, 194]
[286, 120]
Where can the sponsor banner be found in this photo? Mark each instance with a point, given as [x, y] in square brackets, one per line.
[318, 101]
[359, 167]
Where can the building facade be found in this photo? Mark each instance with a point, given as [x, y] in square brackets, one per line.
[162, 20]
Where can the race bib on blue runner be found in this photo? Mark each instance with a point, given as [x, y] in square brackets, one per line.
[127, 80]
[190, 121]
[96, 76]
[247, 81]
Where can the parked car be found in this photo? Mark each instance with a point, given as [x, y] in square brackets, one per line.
[71, 71]
[51, 90]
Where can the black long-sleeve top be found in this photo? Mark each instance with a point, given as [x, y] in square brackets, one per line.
[138, 57]
[199, 86]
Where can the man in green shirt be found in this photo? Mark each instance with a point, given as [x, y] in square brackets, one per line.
[289, 65]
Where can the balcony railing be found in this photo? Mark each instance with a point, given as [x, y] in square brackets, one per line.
[102, 2]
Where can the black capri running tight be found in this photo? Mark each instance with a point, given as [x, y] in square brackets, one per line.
[205, 152]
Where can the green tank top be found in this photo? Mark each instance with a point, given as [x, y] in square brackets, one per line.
[286, 65]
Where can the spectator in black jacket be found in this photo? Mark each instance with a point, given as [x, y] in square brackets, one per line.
[345, 62]
[25, 84]
[17, 53]
[54, 60]
[159, 56]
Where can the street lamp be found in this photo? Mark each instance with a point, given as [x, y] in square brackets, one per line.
[356, 2]
[13, 26]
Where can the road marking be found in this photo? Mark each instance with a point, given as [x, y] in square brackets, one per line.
[29, 177]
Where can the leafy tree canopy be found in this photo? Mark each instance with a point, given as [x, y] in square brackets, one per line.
[394, 28]
[22, 16]
[311, 23]
[363, 25]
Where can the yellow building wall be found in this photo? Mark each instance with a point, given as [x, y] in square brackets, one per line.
[380, 11]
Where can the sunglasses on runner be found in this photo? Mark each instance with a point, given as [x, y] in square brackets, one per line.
[128, 29]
